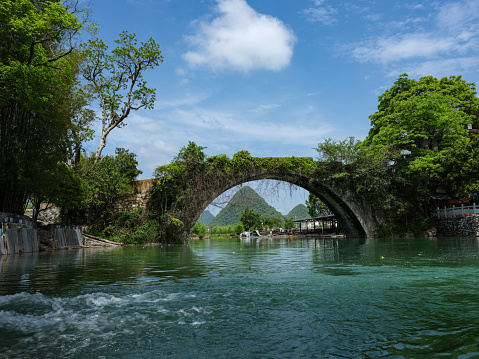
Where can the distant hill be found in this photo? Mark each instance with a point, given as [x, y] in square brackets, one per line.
[246, 197]
[206, 217]
[298, 212]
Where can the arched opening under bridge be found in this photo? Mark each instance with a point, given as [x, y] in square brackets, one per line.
[352, 220]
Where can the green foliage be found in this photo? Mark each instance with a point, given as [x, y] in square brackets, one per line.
[106, 181]
[37, 77]
[235, 230]
[133, 227]
[250, 219]
[222, 230]
[288, 223]
[199, 229]
[358, 168]
[372, 179]
[80, 130]
[316, 207]
[421, 128]
[345, 152]
[460, 167]
[239, 228]
[423, 119]
[60, 186]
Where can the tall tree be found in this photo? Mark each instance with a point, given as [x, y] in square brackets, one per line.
[116, 79]
[36, 75]
[422, 127]
[423, 119]
[80, 130]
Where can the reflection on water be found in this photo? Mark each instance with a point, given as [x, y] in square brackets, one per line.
[403, 298]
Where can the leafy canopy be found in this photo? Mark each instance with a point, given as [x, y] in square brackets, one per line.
[250, 219]
[424, 119]
[37, 74]
[106, 181]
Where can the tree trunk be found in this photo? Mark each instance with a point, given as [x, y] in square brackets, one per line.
[101, 146]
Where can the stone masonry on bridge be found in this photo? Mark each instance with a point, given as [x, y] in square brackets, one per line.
[355, 219]
[137, 196]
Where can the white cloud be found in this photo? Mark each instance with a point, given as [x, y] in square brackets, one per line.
[239, 38]
[414, 6]
[187, 99]
[156, 136]
[321, 12]
[459, 16]
[226, 127]
[397, 48]
[263, 108]
[439, 68]
[449, 43]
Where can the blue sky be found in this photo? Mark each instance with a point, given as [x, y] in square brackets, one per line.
[275, 77]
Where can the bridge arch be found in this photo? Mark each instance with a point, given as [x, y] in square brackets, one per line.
[353, 221]
[192, 181]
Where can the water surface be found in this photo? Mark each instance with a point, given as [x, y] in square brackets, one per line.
[323, 298]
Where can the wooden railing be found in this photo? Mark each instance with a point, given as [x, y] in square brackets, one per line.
[456, 211]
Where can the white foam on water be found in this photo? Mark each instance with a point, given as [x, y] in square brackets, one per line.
[71, 324]
[155, 297]
[101, 300]
[197, 324]
[163, 311]
[24, 297]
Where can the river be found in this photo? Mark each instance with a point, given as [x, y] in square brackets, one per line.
[231, 298]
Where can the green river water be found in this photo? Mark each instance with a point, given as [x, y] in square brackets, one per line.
[231, 298]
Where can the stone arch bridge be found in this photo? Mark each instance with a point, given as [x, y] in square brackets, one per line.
[355, 219]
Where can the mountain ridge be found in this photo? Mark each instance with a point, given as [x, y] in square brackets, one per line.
[298, 212]
[246, 197]
[206, 217]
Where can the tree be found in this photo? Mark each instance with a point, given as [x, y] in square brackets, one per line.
[289, 223]
[106, 181]
[250, 219]
[116, 79]
[199, 229]
[36, 77]
[61, 187]
[461, 168]
[344, 152]
[424, 119]
[422, 127]
[276, 222]
[316, 208]
[80, 130]
[239, 228]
